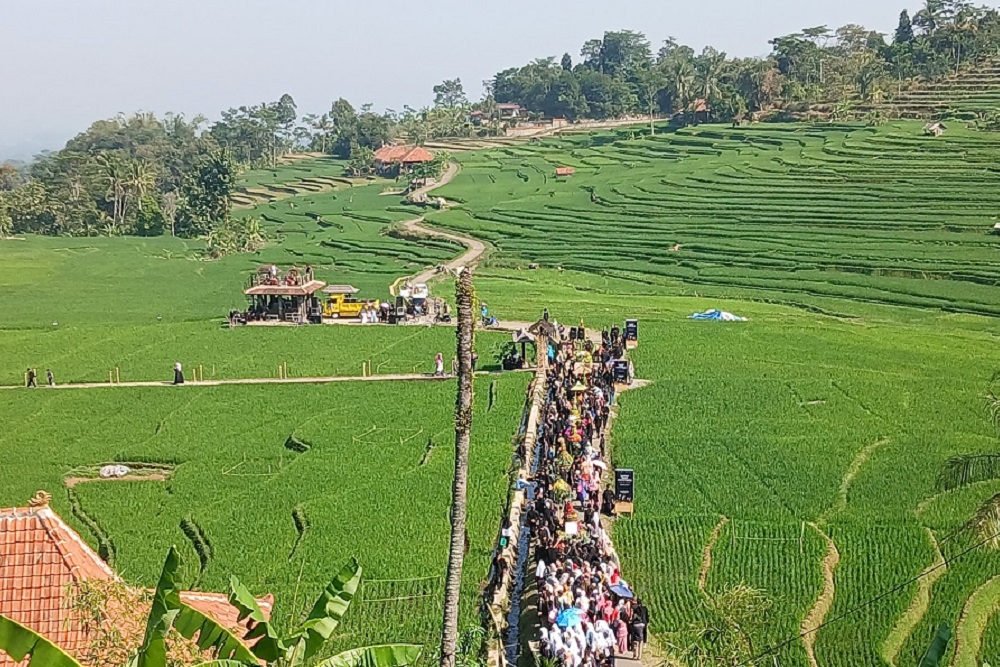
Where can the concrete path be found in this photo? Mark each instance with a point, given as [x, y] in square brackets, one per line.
[391, 377]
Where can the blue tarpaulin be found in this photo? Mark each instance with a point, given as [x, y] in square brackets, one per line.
[714, 315]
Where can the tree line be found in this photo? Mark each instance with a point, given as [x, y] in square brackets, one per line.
[145, 175]
[620, 74]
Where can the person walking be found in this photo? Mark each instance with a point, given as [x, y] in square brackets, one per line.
[32, 377]
[545, 314]
[178, 374]
[50, 377]
[439, 365]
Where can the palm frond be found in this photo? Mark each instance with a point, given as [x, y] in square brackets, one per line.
[965, 469]
[985, 523]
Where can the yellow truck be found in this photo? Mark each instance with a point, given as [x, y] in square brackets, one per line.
[340, 301]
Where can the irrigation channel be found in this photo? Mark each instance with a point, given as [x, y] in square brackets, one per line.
[558, 505]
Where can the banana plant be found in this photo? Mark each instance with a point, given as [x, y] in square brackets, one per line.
[168, 612]
[296, 648]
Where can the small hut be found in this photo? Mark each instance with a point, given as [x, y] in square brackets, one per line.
[935, 129]
[284, 302]
[523, 337]
[564, 171]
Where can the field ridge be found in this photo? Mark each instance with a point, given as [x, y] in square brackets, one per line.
[824, 601]
[706, 555]
[918, 606]
[976, 614]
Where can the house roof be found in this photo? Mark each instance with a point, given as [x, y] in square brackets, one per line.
[403, 154]
[340, 289]
[700, 105]
[564, 171]
[42, 559]
[509, 106]
[285, 290]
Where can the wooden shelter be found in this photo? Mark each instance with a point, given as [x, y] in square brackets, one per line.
[399, 159]
[564, 171]
[284, 303]
[935, 129]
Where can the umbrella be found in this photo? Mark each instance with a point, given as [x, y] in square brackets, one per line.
[568, 618]
[622, 591]
[578, 387]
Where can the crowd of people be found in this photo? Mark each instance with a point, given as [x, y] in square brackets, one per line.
[589, 612]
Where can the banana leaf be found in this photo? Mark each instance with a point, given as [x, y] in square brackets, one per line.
[937, 648]
[224, 663]
[166, 606]
[18, 641]
[331, 606]
[211, 635]
[269, 646]
[387, 655]
[168, 611]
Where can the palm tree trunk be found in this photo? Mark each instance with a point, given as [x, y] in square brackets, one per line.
[463, 429]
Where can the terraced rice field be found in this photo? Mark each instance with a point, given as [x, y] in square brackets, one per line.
[375, 482]
[974, 91]
[292, 178]
[819, 215]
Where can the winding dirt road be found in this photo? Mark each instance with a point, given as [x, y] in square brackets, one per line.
[416, 228]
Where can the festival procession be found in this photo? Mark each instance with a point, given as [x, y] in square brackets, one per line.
[589, 613]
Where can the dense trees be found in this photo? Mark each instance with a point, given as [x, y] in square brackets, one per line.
[129, 175]
[618, 74]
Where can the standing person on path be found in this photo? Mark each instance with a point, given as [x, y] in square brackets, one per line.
[640, 621]
[50, 377]
[32, 376]
[178, 374]
[439, 365]
[545, 314]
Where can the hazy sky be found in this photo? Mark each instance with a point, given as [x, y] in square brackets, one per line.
[70, 62]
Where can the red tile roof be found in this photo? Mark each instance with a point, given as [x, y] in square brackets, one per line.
[564, 171]
[403, 154]
[41, 561]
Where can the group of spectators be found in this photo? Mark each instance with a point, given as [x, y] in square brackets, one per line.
[589, 612]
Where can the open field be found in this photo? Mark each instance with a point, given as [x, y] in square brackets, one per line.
[375, 483]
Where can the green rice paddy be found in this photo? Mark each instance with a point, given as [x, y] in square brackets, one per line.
[862, 256]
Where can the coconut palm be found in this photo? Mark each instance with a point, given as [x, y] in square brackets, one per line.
[463, 428]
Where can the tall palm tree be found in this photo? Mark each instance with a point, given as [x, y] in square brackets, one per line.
[463, 428]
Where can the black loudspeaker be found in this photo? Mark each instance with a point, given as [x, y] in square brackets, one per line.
[631, 329]
[619, 372]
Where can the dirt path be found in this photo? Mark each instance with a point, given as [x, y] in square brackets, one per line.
[918, 606]
[416, 228]
[976, 615]
[217, 383]
[824, 602]
[70, 482]
[845, 483]
[706, 555]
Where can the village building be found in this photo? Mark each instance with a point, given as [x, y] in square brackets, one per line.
[510, 111]
[42, 563]
[394, 160]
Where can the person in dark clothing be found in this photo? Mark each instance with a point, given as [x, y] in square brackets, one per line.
[178, 374]
[545, 314]
[608, 504]
[50, 377]
[637, 628]
[32, 377]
